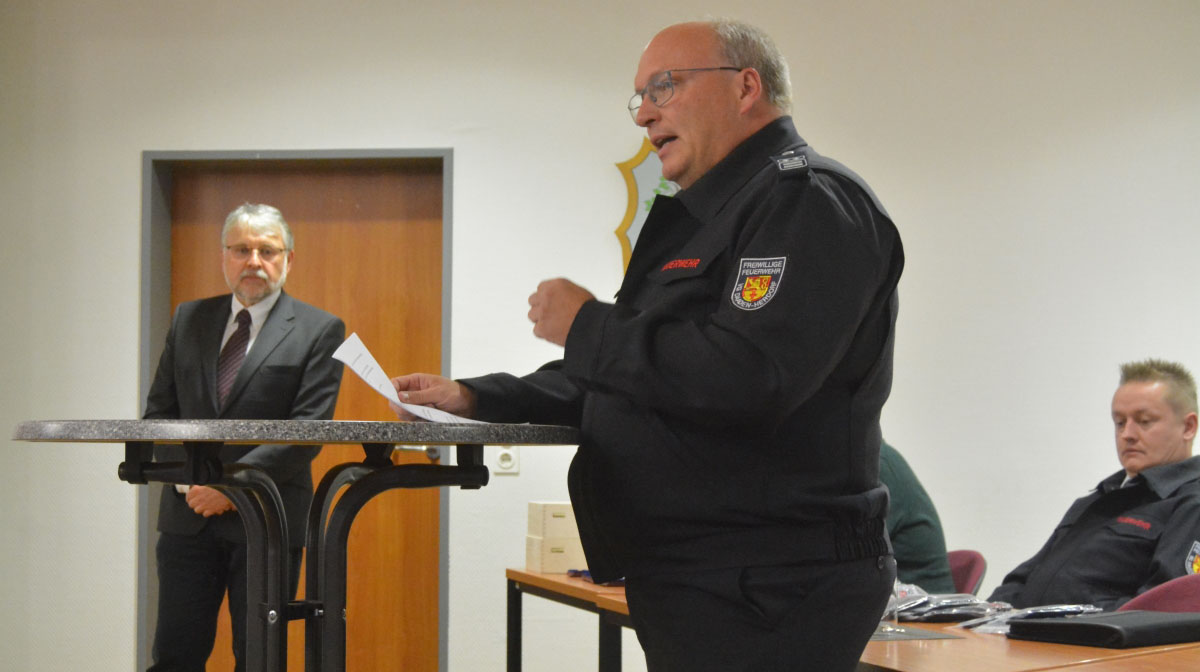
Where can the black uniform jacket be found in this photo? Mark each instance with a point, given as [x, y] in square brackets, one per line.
[1116, 542]
[729, 399]
[289, 373]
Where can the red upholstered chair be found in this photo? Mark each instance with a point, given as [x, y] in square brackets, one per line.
[967, 569]
[1178, 595]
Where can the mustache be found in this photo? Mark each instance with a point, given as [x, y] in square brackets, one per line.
[259, 273]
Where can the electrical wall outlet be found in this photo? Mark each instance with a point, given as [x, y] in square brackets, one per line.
[508, 461]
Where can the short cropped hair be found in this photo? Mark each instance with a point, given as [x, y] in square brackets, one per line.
[746, 46]
[259, 218]
[1181, 387]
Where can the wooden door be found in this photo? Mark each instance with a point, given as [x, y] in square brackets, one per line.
[368, 245]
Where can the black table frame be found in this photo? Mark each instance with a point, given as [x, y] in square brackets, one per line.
[610, 624]
[258, 501]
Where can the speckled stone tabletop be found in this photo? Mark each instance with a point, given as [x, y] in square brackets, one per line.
[293, 431]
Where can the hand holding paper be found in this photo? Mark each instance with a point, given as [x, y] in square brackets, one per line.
[427, 389]
[356, 356]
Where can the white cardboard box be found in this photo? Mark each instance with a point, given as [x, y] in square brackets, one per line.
[553, 555]
[552, 520]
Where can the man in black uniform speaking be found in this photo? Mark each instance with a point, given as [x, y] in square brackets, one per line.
[1141, 526]
[729, 399]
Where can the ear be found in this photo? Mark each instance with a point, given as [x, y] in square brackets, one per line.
[750, 89]
[1189, 426]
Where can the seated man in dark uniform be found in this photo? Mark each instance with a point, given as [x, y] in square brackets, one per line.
[914, 526]
[1141, 526]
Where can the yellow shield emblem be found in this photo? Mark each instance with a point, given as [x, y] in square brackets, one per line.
[643, 182]
[755, 288]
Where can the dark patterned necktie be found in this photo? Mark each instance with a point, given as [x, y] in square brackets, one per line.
[232, 355]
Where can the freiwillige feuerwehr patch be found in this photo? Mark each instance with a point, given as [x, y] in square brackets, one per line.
[757, 282]
[1193, 559]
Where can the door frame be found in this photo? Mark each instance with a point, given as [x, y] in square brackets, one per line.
[158, 169]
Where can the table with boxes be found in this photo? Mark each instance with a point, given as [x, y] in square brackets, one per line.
[552, 548]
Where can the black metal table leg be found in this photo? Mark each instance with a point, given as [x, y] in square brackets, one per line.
[333, 481]
[261, 508]
[514, 627]
[610, 645]
[337, 535]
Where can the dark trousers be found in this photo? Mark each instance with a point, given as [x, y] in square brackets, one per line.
[194, 573]
[797, 618]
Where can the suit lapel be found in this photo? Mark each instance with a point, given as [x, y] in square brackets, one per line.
[279, 324]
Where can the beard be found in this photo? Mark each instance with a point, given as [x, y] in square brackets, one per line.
[251, 298]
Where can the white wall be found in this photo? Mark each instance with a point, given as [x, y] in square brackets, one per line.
[1041, 158]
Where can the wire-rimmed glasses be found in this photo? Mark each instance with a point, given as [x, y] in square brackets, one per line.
[661, 87]
[242, 252]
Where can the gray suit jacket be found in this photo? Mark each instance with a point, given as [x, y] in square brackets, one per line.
[289, 373]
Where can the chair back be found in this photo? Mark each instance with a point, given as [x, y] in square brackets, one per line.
[1181, 594]
[967, 569]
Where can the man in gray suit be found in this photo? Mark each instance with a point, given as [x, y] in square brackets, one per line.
[257, 354]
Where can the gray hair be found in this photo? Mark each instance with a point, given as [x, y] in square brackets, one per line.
[259, 218]
[746, 46]
[1181, 387]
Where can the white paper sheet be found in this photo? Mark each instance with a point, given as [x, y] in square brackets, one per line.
[356, 356]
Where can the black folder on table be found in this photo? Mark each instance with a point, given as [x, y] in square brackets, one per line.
[1112, 630]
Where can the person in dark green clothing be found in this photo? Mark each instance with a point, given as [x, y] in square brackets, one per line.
[914, 527]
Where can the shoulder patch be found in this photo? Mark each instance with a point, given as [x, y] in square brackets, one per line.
[1192, 565]
[757, 281]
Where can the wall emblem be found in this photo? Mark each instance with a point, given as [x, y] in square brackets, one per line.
[643, 181]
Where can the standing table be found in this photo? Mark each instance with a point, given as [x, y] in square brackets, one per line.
[258, 501]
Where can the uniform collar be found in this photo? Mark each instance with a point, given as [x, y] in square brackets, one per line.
[1163, 480]
[705, 198]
